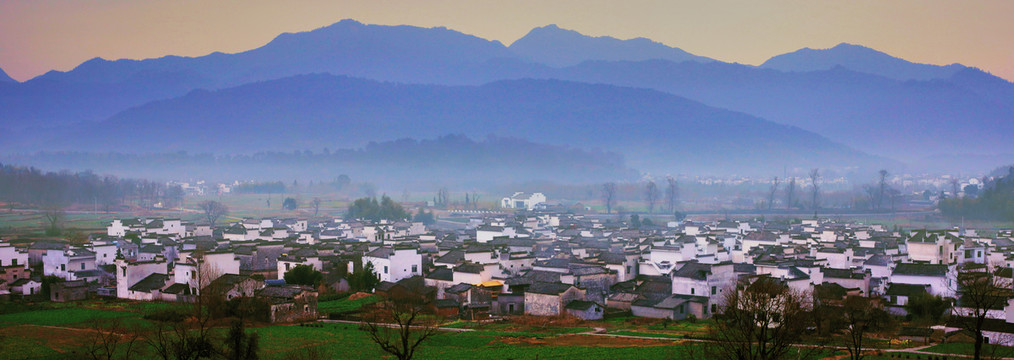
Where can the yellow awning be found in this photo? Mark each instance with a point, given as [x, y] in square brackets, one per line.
[490, 283]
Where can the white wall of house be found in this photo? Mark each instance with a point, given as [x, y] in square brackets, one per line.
[9, 255]
[938, 285]
[223, 263]
[184, 273]
[836, 260]
[55, 263]
[470, 278]
[104, 254]
[484, 257]
[404, 263]
[116, 229]
[128, 274]
[934, 253]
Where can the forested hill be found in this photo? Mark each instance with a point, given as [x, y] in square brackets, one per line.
[445, 160]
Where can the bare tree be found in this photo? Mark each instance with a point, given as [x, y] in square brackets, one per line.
[188, 335]
[108, 339]
[860, 316]
[871, 195]
[672, 194]
[443, 197]
[651, 195]
[54, 218]
[609, 195]
[213, 210]
[399, 326]
[316, 206]
[760, 321]
[815, 191]
[772, 192]
[790, 193]
[979, 290]
[893, 194]
[882, 184]
[475, 200]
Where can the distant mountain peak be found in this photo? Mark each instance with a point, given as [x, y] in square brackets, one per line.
[861, 59]
[4, 78]
[555, 46]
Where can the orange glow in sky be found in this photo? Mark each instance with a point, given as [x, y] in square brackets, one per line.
[41, 35]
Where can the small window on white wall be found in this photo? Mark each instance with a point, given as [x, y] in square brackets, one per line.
[385, 269]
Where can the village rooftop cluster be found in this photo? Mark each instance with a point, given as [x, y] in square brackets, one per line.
[537, 263]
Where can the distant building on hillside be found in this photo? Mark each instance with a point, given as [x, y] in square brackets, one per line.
[521, 200]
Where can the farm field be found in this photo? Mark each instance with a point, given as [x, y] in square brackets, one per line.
[60, 331]
[56, 331]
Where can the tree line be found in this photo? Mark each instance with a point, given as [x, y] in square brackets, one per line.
[29, 186]
[994, 202]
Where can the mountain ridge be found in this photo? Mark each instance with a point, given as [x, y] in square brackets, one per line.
[557, 47]
[869, 112]
[313, 111]
[862, 59]
[4, 78]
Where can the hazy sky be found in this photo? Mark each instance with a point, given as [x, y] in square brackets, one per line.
[41, 35]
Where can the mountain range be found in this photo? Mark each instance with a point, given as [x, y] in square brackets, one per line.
[862, 59]
[656, 131]
[851, 95]
[556, 47]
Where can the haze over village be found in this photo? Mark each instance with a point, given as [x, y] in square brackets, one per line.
[384, 187]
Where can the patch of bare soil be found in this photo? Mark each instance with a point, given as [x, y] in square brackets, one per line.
[543, 321]
[584, 340]
[358, 295]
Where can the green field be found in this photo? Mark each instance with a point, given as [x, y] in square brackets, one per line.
[345, 305]
[58, 331]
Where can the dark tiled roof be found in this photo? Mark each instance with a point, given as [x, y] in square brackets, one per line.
[451, 257]
[761, 236]
[152, 282]
[879, 260]
[588, 270]
[693, 270]
[905, 289]
[548, 288]
[469, 267]
[382, 252]
[280, 294]
[842, 274]
[458, 288]
[442, 273]
[542, 276]
[554, 263]
[385, 286]
[935, 270]
[178, 289]
[580, 305]
[446, 303]
[744, 268]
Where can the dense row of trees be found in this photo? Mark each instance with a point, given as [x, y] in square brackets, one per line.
[33, 187]
[370, 209]
[995, 202]
[275, 187]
